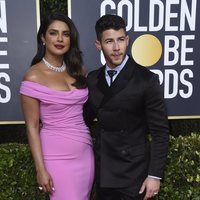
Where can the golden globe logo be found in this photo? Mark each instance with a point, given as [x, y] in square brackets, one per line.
[176, 21]
[146, 50]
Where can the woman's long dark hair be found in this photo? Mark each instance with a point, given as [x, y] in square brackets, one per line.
[72, 58]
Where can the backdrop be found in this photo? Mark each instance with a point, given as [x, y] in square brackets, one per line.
[18, 31]
[165, 37]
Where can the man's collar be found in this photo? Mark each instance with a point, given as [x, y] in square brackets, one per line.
[119, 67]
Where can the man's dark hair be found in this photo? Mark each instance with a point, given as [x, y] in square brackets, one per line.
[109, 22]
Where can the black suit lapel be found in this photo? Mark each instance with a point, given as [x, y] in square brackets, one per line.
[102, 84]
[123, 77]
[119, 83]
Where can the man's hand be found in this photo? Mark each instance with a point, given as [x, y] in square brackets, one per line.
[151, 186]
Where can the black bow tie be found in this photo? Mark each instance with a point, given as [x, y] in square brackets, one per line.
[111, 73]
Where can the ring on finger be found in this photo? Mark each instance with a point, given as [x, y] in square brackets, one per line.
[155, 193]
[40, 188]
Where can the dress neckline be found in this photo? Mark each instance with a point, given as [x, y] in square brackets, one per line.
[51, 89]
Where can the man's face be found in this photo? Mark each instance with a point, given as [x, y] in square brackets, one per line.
[113, 44]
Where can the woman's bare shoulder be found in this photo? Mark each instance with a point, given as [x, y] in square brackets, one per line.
[34, 73]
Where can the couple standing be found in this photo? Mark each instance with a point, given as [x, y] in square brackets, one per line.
[124, 97]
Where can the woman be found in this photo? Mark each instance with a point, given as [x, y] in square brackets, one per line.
[53, 93]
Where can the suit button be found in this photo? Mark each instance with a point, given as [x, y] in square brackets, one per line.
[122, 131]
[124, 152]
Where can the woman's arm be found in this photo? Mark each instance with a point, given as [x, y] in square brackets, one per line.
[31, 112]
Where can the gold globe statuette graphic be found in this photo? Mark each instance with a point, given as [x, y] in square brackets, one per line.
[146, 50]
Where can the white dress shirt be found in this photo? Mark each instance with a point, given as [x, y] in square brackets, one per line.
[118, 69]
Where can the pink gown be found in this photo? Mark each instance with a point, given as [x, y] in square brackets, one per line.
[66, 142]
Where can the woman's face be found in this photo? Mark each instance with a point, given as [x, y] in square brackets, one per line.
[57, 38]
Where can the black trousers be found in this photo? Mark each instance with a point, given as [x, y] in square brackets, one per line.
[117, 194]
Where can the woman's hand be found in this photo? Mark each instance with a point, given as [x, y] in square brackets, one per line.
[45, 181]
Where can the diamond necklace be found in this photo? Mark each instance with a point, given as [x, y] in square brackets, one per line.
[56, 69]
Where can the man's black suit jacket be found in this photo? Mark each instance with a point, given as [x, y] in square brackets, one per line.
[126, 113]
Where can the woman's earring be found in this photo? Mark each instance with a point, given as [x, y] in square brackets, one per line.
[43, 43]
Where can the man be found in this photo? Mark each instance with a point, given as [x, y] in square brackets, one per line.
[126, 100]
